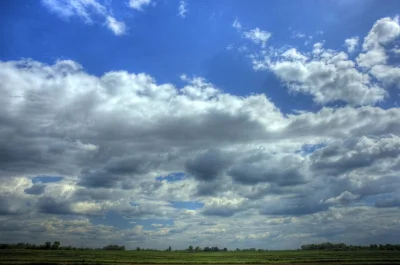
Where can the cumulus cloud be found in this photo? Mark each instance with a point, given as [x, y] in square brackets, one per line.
[351, 44]
[339, 157]
[224, 207]
[372, 57]
[117, 140]
[329, 76]
[383, 31]
[283, 171]
[389, 75]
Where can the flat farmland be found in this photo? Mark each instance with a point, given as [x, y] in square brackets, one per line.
[65, 257]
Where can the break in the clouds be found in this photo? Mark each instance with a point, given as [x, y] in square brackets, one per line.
[271, 143]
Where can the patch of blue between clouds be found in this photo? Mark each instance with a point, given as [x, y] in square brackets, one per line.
[46, 179]
[190, 205]
[372, 199]
[310, 148]
[116, 220]
[175, 176]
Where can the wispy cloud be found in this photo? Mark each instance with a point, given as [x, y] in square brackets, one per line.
[298, 35]
[139, 4]
[182, 9]
[116, 26]
[236, 24]
[85, 9]
[257, 36]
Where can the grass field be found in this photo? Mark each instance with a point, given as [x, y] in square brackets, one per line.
[140, 257]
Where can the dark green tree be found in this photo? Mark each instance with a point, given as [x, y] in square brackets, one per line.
[47, 245]
[55, 245]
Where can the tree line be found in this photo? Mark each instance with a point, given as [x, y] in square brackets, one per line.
[342, 246]
[46, 245]
[55, 246]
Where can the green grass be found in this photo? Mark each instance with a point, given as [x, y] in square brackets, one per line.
[135, 257]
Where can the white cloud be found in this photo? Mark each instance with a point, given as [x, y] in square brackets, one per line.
[182, 9]
[298, 35]
[80, 8]
[237, 25]
[85, 9]
[387, 74]
[116, 26]
[139, 4]
[396, 50]
[257, 36]
[293, 54]
[384, 30]
[318, 48]
[372, 57]
[351, 44]
[329, 77]
[261, 178]
[344, 198]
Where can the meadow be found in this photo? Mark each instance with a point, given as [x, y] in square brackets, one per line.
[26, 256]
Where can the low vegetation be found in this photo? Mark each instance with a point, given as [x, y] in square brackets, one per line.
[325, 253]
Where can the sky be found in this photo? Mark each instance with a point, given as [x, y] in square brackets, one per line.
[156, 123]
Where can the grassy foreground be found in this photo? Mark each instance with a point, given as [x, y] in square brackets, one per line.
[140, 257]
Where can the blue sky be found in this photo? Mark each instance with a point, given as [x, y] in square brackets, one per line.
[190, 120]
[159, 42]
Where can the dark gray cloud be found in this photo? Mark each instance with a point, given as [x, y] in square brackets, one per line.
[294, 206]
[208, 165]
[394, 201]
[50, 205]
[99, 179]
[129, 165]
[12, 205]
[340, 157]
[109, 137]
[118, 170]
[222, 212]
[83, 194]
[283, 171]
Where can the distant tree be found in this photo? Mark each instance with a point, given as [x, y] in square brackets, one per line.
[114, 247]
[190, 248]
[55, 245]
[138, 248]
[47, 245]
[225, 249]
[169, 249]
[197, 249]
